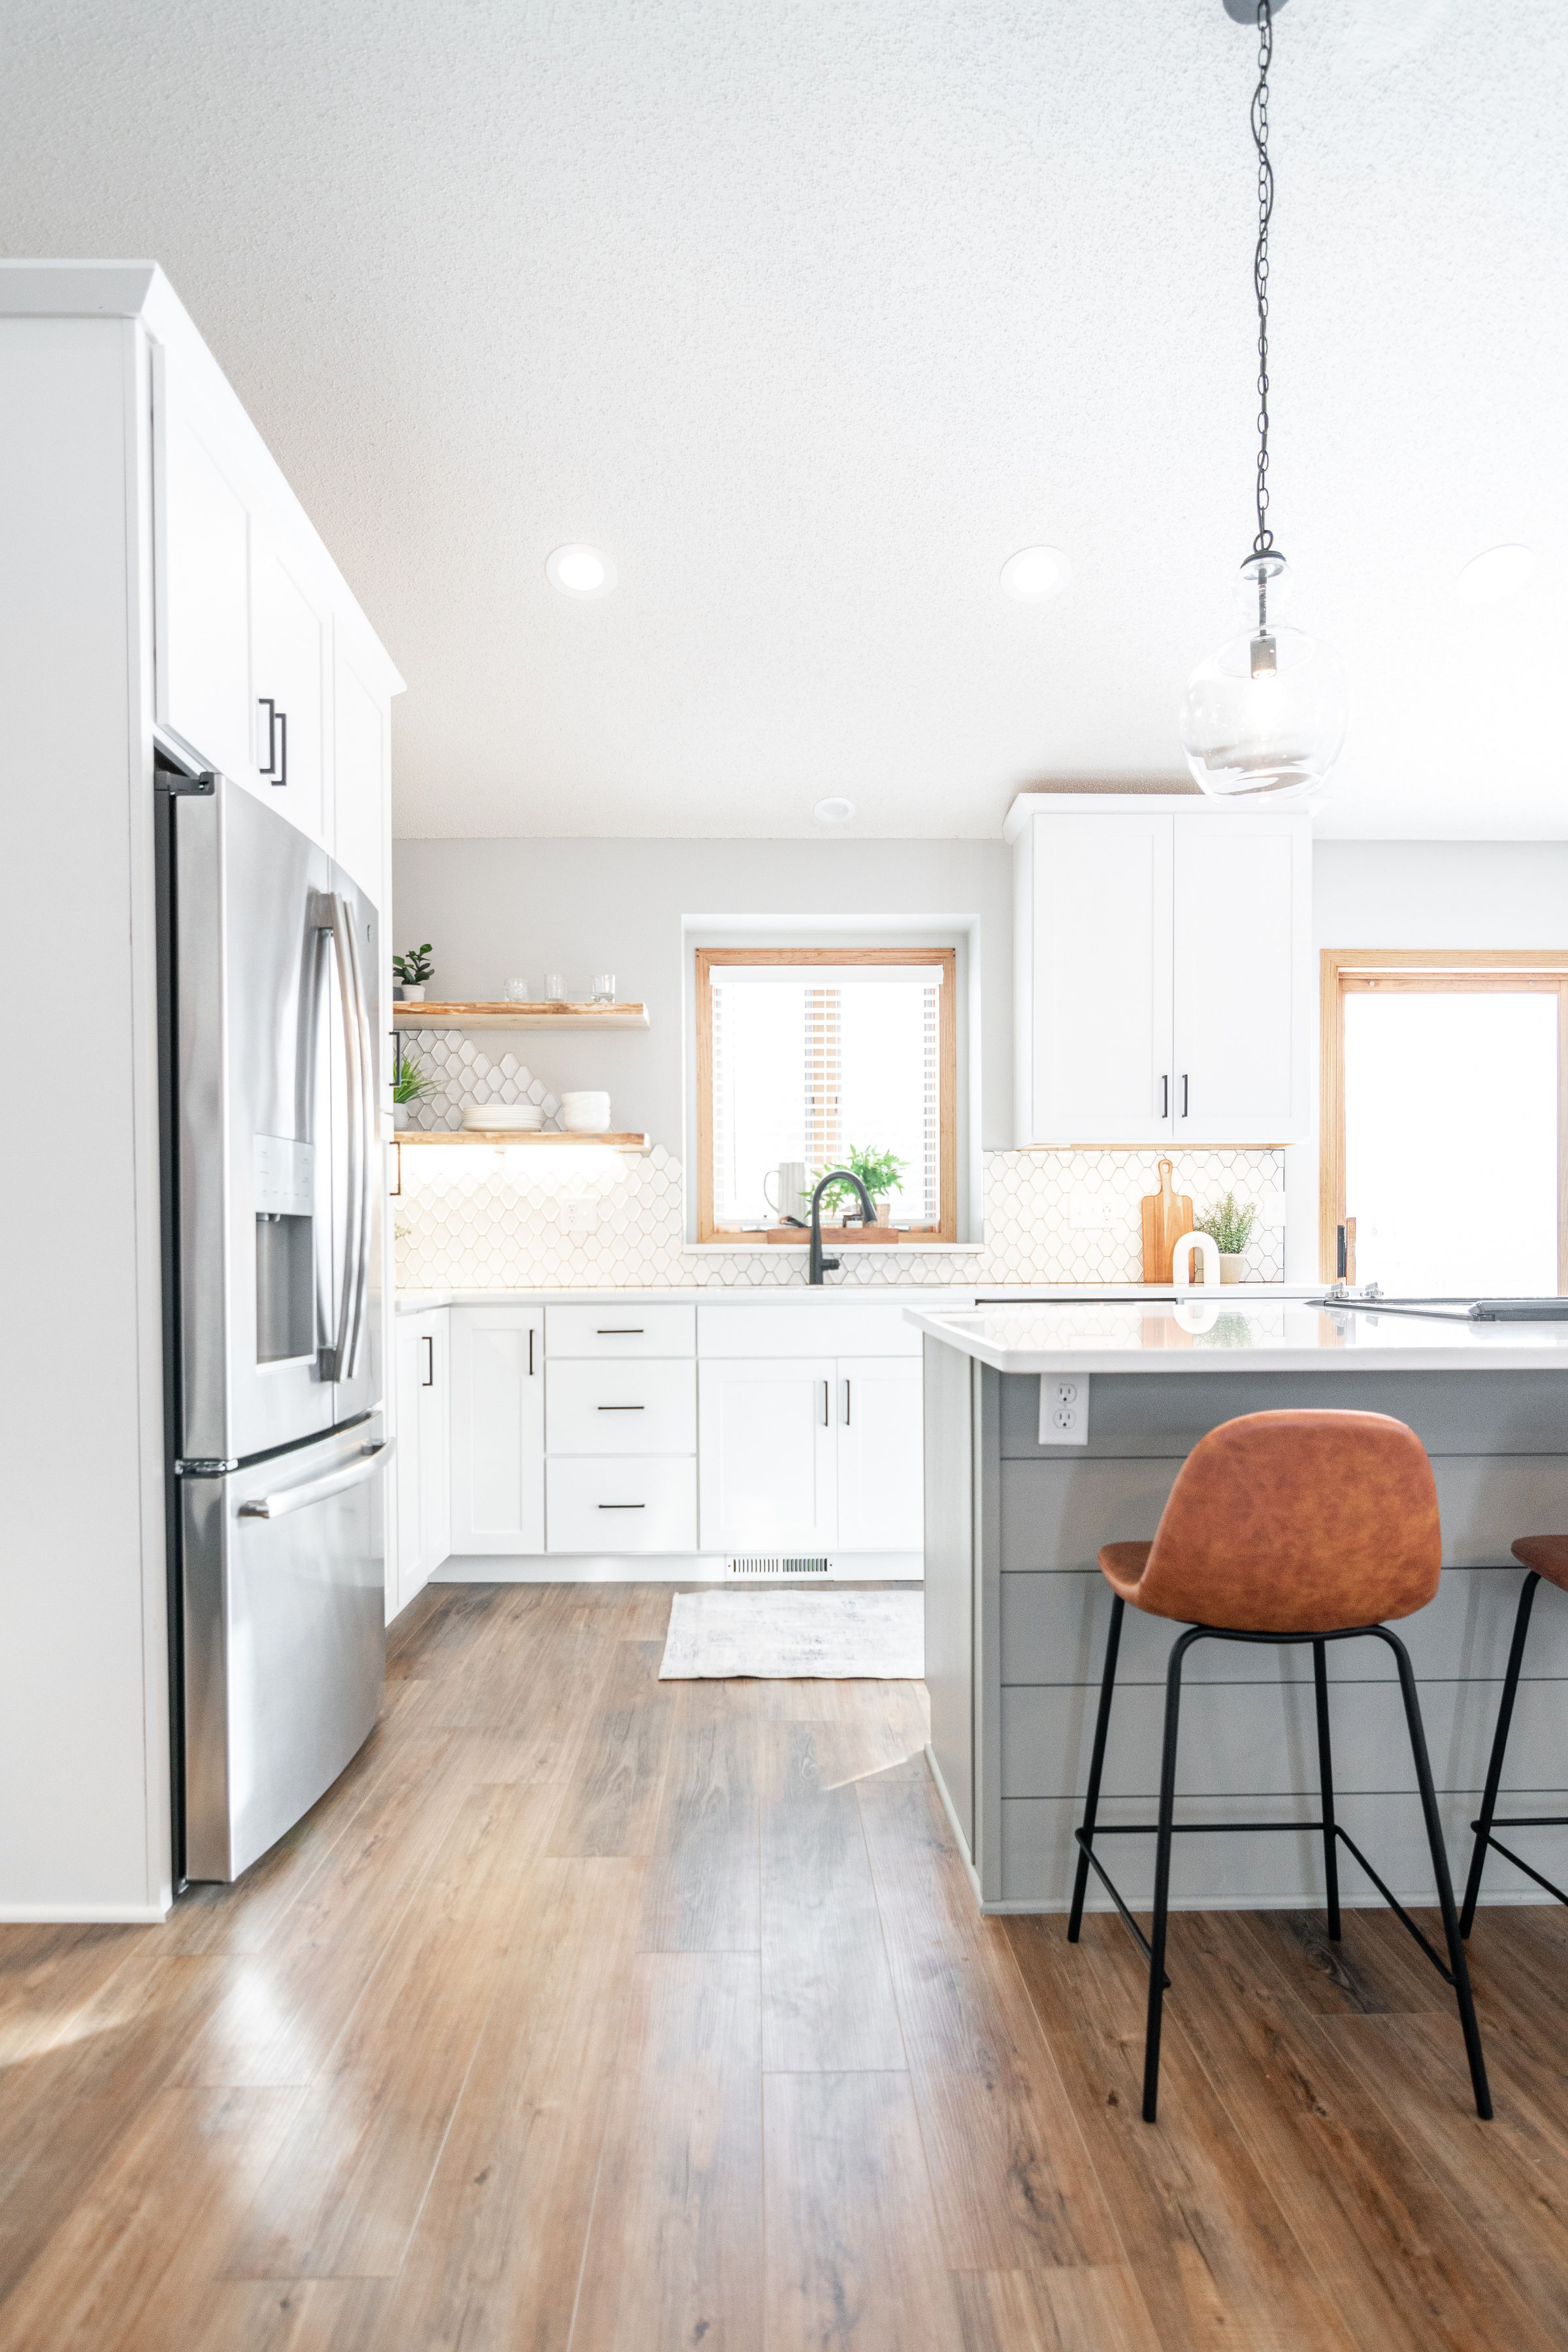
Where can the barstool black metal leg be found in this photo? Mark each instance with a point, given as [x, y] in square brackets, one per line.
[1096, 1764]
[1326, 1785]
[1457, 1961]
[1499, 1749]
[1163, 1872]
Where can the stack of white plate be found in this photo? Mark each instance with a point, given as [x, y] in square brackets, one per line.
[496, 1119]
[585, 1113]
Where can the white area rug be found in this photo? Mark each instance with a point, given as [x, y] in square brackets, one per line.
[793, 1636]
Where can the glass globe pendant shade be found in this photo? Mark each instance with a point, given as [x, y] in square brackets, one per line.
[1264, 717]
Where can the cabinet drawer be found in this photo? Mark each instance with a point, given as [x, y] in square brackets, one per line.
[616, 1332]
[826, 1324]
[625, 1504]
[627, 1407]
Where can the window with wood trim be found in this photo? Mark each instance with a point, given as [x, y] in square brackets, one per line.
[1444, 1122]
[820, 1057]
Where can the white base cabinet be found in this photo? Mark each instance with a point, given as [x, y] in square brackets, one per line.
[498, 1429]
[810, 1456]
[423, 1462]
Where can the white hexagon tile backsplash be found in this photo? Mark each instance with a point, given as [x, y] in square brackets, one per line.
[486, 1221]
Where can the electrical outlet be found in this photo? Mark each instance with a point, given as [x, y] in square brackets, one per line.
[1095, 1212]
[1064, 1409]
[581, 1216]
[1271, 1211]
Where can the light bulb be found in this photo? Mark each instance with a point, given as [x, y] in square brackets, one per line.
[1264, 717]
[581, 572]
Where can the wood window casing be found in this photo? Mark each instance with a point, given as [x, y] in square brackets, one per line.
[805, 959]
[1432, 971]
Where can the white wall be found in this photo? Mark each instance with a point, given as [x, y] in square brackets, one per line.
[1419, 893]
[493, 909]
[83, 1702]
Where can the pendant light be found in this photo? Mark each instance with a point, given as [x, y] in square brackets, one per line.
[1264, 717]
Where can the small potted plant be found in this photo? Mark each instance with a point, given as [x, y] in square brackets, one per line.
[1230, 1225]
[410, 1083]
[413, 969]
[878, 1171]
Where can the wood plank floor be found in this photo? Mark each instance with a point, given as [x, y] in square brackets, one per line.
[589, 2013]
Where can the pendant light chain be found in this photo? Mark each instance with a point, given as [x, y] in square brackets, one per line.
[1265, 539]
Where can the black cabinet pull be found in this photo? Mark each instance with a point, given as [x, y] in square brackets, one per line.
[1165, 1096]
[623, 1507]
[429, 1380]
[623, 1408]
[531, 1351]
[619, 1331]
[276, 763]
[1183, 1093]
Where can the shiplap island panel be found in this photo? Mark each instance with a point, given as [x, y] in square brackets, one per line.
[1017, 1609]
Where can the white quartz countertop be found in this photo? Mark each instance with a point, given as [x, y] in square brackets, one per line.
[1276, 1335]
[952, 1297]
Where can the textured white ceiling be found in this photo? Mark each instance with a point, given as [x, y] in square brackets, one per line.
[812, 313]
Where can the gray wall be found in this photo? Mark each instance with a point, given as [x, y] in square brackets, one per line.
[1440, 893]
[497, 908]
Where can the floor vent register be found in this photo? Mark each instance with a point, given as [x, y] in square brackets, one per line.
[776, 1564]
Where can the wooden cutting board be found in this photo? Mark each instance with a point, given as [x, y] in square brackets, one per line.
[1167, 1215]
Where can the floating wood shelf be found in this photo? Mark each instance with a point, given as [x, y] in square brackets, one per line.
[518, 1139]
[434, 1016]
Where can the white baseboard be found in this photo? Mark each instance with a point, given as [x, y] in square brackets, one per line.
[656, 1568]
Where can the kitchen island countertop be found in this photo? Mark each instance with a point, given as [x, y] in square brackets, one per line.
[1277, 1334]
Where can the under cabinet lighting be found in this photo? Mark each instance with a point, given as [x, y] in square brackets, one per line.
[833, 811]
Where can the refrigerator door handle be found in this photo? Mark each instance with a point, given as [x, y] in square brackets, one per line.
[332, 915]
[317, 1490]
[368, 1160]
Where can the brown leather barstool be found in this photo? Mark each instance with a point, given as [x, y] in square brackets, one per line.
[1282, 1528]
[1543, 1556]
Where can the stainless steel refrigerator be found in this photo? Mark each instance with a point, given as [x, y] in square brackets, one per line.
[273, 1202]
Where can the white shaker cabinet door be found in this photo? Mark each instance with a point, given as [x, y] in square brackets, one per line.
[203, 627]
[435, 1400]
[768, 1453]
[289, 643]
[412, 1570]
[361, 777]
[1243, 970]
[498, 1429]
[877, 1400]
[1099, 1070]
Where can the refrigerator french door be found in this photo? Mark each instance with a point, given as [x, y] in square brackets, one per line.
[272, 1265]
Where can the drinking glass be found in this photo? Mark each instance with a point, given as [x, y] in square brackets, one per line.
[603, 988]
[517, 991]
[554, 988]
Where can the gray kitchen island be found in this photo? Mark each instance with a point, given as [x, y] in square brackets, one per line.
[1053, 1428]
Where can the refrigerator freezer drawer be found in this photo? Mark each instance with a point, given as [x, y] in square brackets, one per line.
[284, 1640]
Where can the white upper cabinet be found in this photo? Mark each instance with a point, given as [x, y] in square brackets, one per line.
[1164, 973]
[202, 656]
[291, 638]
[1243, 954]
[264, 664]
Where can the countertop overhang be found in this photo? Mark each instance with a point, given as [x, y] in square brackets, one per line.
[1281, 1335]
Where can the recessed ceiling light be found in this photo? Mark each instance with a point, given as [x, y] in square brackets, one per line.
[833, 812]
[580, 572]
[1498, 573]
[1036, 572]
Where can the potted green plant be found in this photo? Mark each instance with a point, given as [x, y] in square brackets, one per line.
[413, 968]
[409, 1084]
[1230, 1225]
[878, 1171]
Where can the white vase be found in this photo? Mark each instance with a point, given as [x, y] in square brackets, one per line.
[410, 993]
[402, 1114]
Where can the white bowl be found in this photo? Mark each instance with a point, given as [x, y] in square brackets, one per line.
[585, 1111]
[521, 1119]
